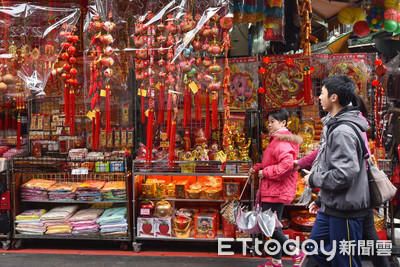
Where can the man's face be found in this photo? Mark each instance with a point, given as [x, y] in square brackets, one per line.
[326, 101]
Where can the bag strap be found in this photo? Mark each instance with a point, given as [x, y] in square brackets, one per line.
[360, 138]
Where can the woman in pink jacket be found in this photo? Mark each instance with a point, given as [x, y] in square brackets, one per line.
[278, 181]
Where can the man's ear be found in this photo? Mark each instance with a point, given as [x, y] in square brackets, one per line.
[334, 98]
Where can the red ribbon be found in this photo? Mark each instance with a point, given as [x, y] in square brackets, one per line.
[149, 149]
[169, 114]
[172, 145]
[161, 104]
[185, 108]
[94, 133]
[142, 106]
[72, 111]
[207, 116]
[214, 121]
[198, 106]
[66, 104]
[97, 129]
[108, 109]
[19, 131]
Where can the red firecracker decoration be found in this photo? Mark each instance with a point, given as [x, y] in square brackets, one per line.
[19, 131]
[207, 115]
[161, 104]
[169, 114]
[149, 148]
[214, 103]
[198, 105]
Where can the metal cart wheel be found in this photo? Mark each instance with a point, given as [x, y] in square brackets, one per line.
[137, 247]
[6, 244]
[16, 244]
[124, 246]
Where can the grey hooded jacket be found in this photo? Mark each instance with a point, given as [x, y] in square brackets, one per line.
[342, 172]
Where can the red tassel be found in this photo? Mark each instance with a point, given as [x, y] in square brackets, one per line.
[161, 104]
[97, 129]
[172, 145]
[198, 106]
[143, 115]
[19, 131]
[185, 108]
[108, 109]
[189, 106]
[93, 133]
[6, 118]
[66, 104]
[214, 121]
[72, 111]
[149, 135]
[169, 114]
[207, 116]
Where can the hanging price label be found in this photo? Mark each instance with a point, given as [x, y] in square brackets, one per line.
[103, 93]
[221, 156]
[142, 92]
[193, 87]
[158, 86]
[80, 171]
[90, 115]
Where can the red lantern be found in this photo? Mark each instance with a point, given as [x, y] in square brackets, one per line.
[261, 90]
[64, 56]
[361, 28]
[378, 62]
[72, 60]
[71, 50]
[266, 60]
[261, 71]
[390, 14]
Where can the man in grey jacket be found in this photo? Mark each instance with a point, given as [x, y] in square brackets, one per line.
[341, 177]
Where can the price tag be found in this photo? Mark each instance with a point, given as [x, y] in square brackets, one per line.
[145, 212]
[90, 114]
[80, 171]
[142, 92]
[103, 93]
[164, 144]
[193, 87]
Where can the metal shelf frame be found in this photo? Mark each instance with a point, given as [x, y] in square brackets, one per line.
[35, 165]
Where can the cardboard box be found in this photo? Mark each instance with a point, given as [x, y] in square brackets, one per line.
[145, 226]
[162, 227]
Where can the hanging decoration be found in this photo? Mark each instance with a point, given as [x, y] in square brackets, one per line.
[101, 72]
[380, 71]
[68, 73]
[286, 81]
[306, 28]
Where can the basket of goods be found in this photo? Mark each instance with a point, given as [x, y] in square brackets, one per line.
[163, 209]
[194, 190]
[182, 223]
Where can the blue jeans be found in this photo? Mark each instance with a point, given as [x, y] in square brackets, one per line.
[329, 229]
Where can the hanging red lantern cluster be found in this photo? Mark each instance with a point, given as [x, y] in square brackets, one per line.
[182, 73]
[101, 73]
[68, 73]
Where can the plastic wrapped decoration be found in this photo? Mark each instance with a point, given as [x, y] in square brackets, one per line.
[31, 47]
[107, 68]
[176, 50]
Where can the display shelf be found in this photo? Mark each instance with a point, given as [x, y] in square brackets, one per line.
[75, 201]
[179, 239]
[77, 237]
[184, 199]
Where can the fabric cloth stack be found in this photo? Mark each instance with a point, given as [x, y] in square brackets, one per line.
[36, 189]
[57, 220]
[113, 222]
[89, 191]
[62, 191]
[84, 222]
[28, 222]
[114, 190]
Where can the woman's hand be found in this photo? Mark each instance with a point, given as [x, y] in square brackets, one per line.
[313, 208]
[260, 174]
[296, 165]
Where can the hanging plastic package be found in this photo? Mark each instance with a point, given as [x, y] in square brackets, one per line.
[29, 36]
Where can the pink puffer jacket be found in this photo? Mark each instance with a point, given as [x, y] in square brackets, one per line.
[279, 181]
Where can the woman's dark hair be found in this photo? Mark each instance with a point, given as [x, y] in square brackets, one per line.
[359, 103]
[342, 86]
[279, 114]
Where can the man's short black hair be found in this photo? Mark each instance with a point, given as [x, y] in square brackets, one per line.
[279, 114]
[342, 86]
